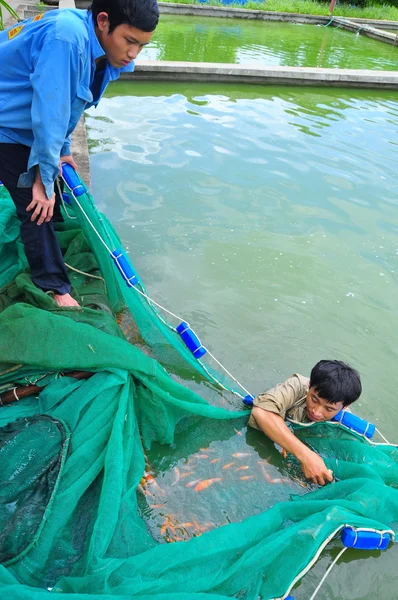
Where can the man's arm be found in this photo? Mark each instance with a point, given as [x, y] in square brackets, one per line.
[276, 429]
[54, 82]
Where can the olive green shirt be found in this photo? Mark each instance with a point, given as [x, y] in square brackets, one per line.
[286, 399]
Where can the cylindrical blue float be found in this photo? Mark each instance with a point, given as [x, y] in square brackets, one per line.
[124, 267]
[364, 540]
[72, 180]
[66, 198]
[248, 400]
[191, 340]
[355, 423]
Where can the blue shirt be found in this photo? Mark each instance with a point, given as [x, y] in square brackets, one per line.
[46, 71]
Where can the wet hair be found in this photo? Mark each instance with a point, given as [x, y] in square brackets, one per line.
[142, 14]
[335, 381]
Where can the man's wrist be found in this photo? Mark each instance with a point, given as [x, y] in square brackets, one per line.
[303, 454]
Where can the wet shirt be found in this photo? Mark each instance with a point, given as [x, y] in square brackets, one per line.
[46, 72]
[286, 399]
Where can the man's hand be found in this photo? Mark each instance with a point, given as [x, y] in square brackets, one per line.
[43, 207]
[68, 159]
[315, 469]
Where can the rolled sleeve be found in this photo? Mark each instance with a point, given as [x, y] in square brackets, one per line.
[54, 82]
[281, 398]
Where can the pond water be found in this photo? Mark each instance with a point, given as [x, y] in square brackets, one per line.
[264, 43]
[268, 218]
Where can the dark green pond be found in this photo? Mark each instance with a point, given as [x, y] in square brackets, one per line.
[265, 43]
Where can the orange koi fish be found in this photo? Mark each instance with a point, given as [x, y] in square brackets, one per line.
[237, 432]
[240, 454]
[186, 474]
[201, 456]
[192, 483]
[157, 505]
[215, 460]
[242, 468]
[228, 466]
[202, 485]
[246, 477]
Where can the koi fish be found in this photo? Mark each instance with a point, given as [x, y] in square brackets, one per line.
[228, 466]
[153, 483]
[207, 450]
[157, 505]
[215, 460]
[202, 485]
[284, 453]
[242, 468]
[186, 474]
[246, 477]
[201, 456]
[237, 432]
[240, 454]
[177, 474]
[192, 483]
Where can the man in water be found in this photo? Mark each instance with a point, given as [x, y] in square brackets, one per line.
[53, 67]
[332, 386]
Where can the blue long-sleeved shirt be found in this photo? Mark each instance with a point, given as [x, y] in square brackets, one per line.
[47, 66]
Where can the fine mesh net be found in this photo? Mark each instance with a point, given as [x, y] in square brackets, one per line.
[130, 483]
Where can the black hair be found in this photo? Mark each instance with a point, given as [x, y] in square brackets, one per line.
[335, 381]
[142, 14]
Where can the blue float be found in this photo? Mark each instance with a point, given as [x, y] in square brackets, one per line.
[248, 400]
[365, 540]
[355, 423]
[124, 267]
[72, 180]
[65, 198]
[191, 340]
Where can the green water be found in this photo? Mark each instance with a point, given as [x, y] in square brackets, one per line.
[265, 43]
[268, 218]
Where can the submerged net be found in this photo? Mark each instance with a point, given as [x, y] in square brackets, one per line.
[130, 483]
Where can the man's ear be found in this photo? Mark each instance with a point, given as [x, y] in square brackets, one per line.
[103, 22]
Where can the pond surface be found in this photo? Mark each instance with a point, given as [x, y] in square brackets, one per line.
[268, 218]
[202, 39]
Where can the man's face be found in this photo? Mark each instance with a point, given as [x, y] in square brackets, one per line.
[319, 409]
[123, 44]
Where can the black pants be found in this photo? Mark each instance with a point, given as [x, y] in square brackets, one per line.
[41, 246]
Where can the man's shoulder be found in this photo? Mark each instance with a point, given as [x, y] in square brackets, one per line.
[299, 383]
[69, 25]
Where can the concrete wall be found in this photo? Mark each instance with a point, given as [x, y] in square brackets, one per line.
[243, 13]
[152, 70]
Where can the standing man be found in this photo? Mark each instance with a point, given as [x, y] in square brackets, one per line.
[52, 68]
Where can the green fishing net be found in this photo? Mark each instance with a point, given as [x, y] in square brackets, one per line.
[130, 484]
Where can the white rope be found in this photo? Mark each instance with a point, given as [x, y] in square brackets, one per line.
[318, 587]
[154, 303]
[338, 424]
[313, 561]
[228, 373]
[221, 385]
[90, 275]
[63, 201]
[89, 220]
[157, 304]
[382, 436]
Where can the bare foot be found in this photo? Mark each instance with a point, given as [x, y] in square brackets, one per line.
[65, 300]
